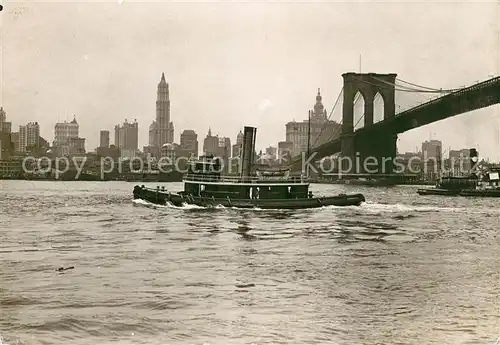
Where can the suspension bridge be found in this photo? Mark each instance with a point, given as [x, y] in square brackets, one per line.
[372, 132]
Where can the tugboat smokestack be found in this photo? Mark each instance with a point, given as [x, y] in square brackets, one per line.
[248, 151]
[473, 160]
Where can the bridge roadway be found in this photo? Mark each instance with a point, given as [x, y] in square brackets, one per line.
[471, 98]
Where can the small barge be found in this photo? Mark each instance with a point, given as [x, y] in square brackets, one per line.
[204, 185]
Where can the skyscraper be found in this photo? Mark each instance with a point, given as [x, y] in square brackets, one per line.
[4, 125]
[65, 130]
[104, 140]
[153, 131]
[210, 144]
[126, 138]
[189, 142]
[29, 136]
[237, 147]
[6, 146]
[164, 127]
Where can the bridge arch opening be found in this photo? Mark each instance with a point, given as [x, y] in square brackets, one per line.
[358, 111]
[378, 108]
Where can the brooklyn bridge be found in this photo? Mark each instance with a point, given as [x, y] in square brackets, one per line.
[367, 135]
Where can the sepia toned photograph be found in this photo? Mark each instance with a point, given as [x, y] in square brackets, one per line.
[249, 172]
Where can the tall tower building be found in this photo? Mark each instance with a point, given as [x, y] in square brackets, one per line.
[319, 113]
[322, 130]
[164, 127]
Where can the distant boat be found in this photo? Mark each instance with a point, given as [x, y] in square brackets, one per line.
[484, 185]
[204, 185]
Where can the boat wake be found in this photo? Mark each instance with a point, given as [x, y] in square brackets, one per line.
[373, 207]
[365, 207]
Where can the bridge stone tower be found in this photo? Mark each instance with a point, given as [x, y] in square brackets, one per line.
[377, 144]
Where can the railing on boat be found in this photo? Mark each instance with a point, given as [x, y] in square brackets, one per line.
[239, 179]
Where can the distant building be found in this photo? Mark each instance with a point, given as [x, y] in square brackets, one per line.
[271, 153]
[432, 159]
[210, 144]
[458, 163]
[163, 124]
[224, 152]
[112, 151]
[67, 140]
[151, 151]
[189, 142]
[127, 138]
[236, 149]
[76, 146]
[177, 157]
[65, 130]
[6, 145]
[322, 130]
[104, 139]
[15, 141]
[5, 127]
[152, 134]
[29, 136]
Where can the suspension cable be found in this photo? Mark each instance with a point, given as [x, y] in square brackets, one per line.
[398, 87]
[425, 87]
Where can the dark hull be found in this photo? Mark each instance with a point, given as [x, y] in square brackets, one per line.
[438, 191]
[162, 197]
[484, 193]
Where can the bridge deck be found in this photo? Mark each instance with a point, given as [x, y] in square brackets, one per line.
[471, 98]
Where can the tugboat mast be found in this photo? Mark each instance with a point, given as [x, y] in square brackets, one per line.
[308, 140]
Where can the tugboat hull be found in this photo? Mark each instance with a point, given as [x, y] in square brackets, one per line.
[162, 198]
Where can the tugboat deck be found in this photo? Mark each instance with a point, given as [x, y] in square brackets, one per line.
[245, 181]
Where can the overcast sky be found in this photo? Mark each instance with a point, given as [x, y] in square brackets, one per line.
[235, 64]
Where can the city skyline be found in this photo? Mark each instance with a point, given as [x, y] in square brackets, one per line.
[226, 80]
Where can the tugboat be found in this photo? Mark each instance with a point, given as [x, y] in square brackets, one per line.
[484, 183]
[204, 185]
[451, 186]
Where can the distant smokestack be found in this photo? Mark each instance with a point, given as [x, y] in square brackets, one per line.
[248, 150]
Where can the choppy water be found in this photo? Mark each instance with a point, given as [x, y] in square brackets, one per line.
[400, 269]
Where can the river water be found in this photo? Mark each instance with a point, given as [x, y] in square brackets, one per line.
[400, 269]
